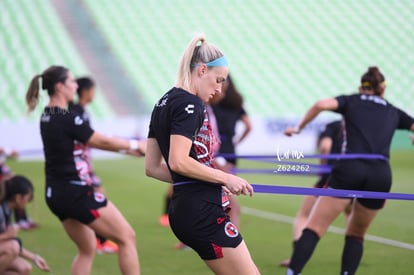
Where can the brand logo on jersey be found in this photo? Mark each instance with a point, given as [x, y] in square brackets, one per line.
[162, 102]
[99, 197]
[231, 230]
[78, 120]
[189, 109]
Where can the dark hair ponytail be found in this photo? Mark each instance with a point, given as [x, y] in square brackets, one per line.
[373, 79]
[232, 98]
[84, 83]
[16, 185]
[50, 77]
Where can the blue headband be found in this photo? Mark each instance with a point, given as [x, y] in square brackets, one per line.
[218, 62]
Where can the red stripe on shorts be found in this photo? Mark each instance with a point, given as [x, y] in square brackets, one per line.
[218, 250]
[94, 213]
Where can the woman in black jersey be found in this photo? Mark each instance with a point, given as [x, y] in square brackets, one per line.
[86, 94]
[370, 123]
[228, 110]
[181, 135]
[329, 142]
[69, 192]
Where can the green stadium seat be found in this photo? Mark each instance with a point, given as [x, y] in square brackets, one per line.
[33, 38]
[283, 54]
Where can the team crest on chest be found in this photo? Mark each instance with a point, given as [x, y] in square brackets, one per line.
[99, 197]
[231, 230]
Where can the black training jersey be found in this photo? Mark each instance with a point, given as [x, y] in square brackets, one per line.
[76, 107]
[370, 123]
[61, 130]
[334, 131]
[226, 123]
[82, 151]
[179, 112]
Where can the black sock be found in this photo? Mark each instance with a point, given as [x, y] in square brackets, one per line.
[167, 203]
[304, 248]
[20, 215]
[100, 238]
[352, 254]
[294, 244]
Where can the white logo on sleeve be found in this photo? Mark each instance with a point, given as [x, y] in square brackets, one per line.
[78, 120]
[189, 109]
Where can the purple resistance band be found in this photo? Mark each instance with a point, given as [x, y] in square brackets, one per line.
[323, 156]
[275, 189]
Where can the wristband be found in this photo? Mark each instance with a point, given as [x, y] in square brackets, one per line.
[133, 144]
[297, 129]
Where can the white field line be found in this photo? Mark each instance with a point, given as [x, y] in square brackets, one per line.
[333, 229]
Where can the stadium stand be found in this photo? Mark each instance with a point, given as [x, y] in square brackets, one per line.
[283, 54]
[32, 38]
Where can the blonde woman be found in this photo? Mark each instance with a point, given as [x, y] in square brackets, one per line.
[179, 151]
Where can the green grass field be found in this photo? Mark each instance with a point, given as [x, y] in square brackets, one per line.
[141, 198]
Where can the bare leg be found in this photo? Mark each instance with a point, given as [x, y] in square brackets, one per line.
[84, 239]
[235, 261]
[300, 222]
[114, 226]
[9, 252]
[324, 212]
[358, 223]
[301, 218]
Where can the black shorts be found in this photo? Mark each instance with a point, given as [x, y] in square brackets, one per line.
[198, 219]
[323, 181]
[73, 201]
[228, 149]
[363, 175]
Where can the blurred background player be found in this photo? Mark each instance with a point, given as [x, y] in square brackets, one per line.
[228, 111]
[20, 214]
[15, 193]
[69, 191]
[179, 151]
[370, 123]
[86, 93]
[330, 141]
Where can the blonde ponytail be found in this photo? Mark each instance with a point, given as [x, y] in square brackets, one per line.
[198, 50]
[32, 95]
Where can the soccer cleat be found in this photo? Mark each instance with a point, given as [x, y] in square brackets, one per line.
[108, 247]
[27, 224]
[164, 221]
